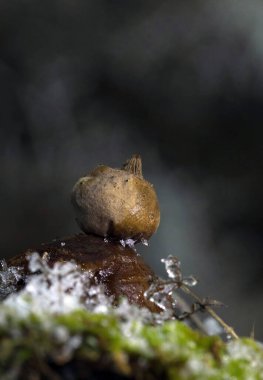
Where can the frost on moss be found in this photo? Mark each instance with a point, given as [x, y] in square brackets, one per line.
[111, 343]
[62, 327]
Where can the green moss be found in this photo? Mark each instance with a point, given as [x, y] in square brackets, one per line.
[106, 343]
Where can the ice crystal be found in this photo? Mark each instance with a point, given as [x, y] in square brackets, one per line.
[212, 326]
[128, 242]
[163, 296]
[189, 281]
[127, 311]
[249, 355]
[164, 292]
[64, 288]
[60, 289]
[173, 267]
[131, 242]
[9, 277]
[144, 242]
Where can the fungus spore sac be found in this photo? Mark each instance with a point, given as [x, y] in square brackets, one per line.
[117, 203]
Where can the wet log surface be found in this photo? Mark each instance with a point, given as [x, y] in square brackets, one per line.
[120, 269]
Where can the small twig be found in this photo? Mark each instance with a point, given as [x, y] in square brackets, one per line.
[226, 327]
[191, 315]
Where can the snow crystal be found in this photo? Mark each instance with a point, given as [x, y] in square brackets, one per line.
[144, 242]
[131, 242]
[212, 327]
[161, 296]
[173, 267]
[189, 281]
[128, 242]
[60, 289]
[236, 350]
[64, 288]
[132, 320]
[9, 277]
[127, 312]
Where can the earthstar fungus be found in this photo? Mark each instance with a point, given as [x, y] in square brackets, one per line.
[117, 203]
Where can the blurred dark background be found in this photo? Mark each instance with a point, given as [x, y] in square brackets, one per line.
[86, 82]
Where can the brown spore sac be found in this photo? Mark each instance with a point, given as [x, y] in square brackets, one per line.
[120, 269]
[116, 203]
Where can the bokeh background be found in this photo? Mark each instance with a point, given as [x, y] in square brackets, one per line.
[86, 82]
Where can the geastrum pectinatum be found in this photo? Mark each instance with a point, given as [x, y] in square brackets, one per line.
[114, 208]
